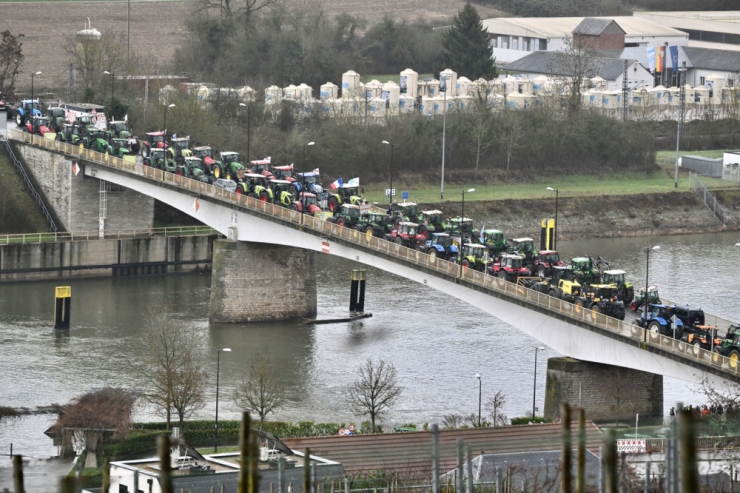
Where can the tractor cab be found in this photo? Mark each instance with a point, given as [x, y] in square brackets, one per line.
[38, 125]
[56, 117]
[432, 218]
[180, 146]
[261, 166]
[522, 246]
[640, 299]
[614, 277]
[283, 172]
[26, 110]
[625, 290]
[309, 203]
[84, 121]
[405, 210]
[205, 153]
[350, 193]
[230, 157]
[281, 190]
[195, 168]
[460, 225]
[509, 267]
[561, 273]
[254, 179]
[561, 284]
[600, 292]
[118, 129]
[156, 159]
[512, 261]
[154, 140]
[583, 269]
[545, 260]
[119, 147]
[348, 215]
[443, 240]
[493, 238]
[311, 181]
[475, 255]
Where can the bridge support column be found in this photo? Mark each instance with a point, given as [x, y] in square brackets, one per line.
[606, 392]
[256, 282]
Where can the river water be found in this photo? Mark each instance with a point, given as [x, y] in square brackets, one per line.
[437, 343]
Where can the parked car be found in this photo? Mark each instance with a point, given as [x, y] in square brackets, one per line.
[229, 185]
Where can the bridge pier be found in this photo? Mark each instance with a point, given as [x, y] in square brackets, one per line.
[606, 392]
[256, 282]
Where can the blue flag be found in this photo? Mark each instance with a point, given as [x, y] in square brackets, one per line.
[650, 50]
[674, 58]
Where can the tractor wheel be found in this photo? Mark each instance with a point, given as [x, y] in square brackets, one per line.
[293, 207]
[629, 295]
[679, 333]
[340, 222]
[530, 268]
[58, 137]
[217, 171]
[432, 252]
[634, 306]
[144, 151]
[294, 190]
[370, 231]
[655, 328]
[264, 197]
[596, 308]
[398, 240]
[541, 271]
[228, 175]
[333, 204]
[18, 119]
[619, 315]
[734, 355]
[552, 293]
[424, 231]
[179, 173]
[466, 263]
[239, 190]
[502, 274]
[580, 302]
[253, 195]
[146, 162]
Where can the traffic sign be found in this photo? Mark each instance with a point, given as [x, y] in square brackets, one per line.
[404, 195]
[388, 192]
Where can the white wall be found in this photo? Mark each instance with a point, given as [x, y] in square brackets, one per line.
[658, 40]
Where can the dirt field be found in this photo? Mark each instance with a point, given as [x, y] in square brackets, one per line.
[157, 28]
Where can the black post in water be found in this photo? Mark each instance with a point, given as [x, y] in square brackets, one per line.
[357, 292]
[62, 302]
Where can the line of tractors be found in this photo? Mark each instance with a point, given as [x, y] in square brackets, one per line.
[586, 282]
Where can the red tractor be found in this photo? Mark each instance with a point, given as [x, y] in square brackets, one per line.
[407, 234]
[39, 125]
[283, 173]
[309, 199]
[154, 140]
[510, 267]
[544, 261]
[261, 167]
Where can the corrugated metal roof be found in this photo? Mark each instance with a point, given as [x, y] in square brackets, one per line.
[593, 26]
[558, 27]
[412, 452]
[708, 59]
[547, 63]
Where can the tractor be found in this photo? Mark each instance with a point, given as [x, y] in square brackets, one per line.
[193, 167]
[475, 256]
[405, 211]
[119, 147]
[180, 149]
[261, 167]
[348, 215]
[119, 130]
[345, 194]
[229, 166]
[307, 202]
[205, 153]
[524, 247]
[26, 110]
[70, 133]
[625, 290]
[652, 297]
[659, 321]
[704, 336]
[281, 191]
[375, 223]
[432, 222]
[730, 345]
[312, 183]
[544, 261]
[38, 125]
[407, 234]
[256, 187]
[286, 173]
[97, 140]
[440, 246]
[561, 284]
[57, 118]
[583, 270]
[156, 159]
[154, 140]
[601, 298]
[462, 227]
[493, 239]
[509, 267]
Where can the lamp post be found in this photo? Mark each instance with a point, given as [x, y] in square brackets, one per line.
[165, 130]
[112, 89]
[33, 104]
[248, 121]
[443, 88]
[480, 389]
[462, 223]
[534, 390]
[303, 184]
[647, 285]
[390, 194]
[681, 103]
[218, 369]
[555, 233]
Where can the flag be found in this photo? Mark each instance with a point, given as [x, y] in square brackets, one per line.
[316, 171]
[354, 182]
[290, 167]
[442, 84]
[483, 233]
[674, 58]
[336, 184]
[174, 136]
[267, 160]
[660, 59]
[651, 57]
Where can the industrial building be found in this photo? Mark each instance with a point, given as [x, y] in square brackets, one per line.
[718, 30]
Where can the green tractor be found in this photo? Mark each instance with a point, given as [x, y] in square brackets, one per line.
[119, 147]
[97, 140]
[404, 212]
[228, 167]
[193, 167]
[730, 345]
[653, 298]
[601, 298]
[432, 222]
[255, 186]
[348, 215]
[475, 256]
[281, 191]
[583, 270]
[524, 247]
[157, 159]
[493, 239]
[70, 133]
[57, 118]
[375, 224]
[345, 194]
[462, 226]
[119, 130]
[179, 149]
[625, 290]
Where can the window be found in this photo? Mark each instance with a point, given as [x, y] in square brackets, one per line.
[543, 45]
[514, 43]
[526, 42]
[702, 81]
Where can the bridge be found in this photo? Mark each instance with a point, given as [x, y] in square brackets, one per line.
[568, 329]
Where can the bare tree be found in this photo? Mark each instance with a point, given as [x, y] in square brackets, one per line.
[11, 58]
[227, 8]
[452, 421]
[171, 370]
[495, 407]
[479, 131]
[510, 133]
[376, 389]
[574, 65]
[92, 55]
[259, 391]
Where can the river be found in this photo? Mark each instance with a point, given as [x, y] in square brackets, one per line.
[437, 343]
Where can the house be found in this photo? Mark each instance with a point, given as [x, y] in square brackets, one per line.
[601, 34]
[512, 38]
[717, 30]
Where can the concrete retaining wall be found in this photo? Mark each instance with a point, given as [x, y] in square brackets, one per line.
[92, 258]
[76, 199]
[605, 392]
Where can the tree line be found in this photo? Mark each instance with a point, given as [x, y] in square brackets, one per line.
[579, 8]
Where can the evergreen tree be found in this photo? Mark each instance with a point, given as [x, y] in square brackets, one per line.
[465, 46]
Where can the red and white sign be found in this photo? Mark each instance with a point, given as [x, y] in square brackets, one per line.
[196, 205]
[631, 446]
[76, 169]
[342, 432]
[325, 246]
[351, 427]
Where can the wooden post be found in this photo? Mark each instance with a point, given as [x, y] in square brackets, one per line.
[581, 471]
[62, 302]
[244, 453]
[307, 471]
[18, 474]
[165, 468]
[565, 473]
[68, 485]
[106, 476]
[689, 471]
[610, 463]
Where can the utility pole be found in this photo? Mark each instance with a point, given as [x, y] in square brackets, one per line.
[681, 107]
[625, 92]
[443, 83]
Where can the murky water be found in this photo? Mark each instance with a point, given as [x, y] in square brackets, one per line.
[437, 343]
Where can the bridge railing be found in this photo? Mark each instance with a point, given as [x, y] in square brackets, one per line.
[328, 230]
[93, 235]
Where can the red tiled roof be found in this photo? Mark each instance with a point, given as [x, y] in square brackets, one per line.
[411, 453]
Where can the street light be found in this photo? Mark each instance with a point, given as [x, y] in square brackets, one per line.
[681, 108]
[480, 388]
[303, 184]
[33, 106]
[112, 89]
[647, 285]
[248, 119]
[390, 194]
[462, 222]
[555, 233]
[165, 130]
[534, 390]
[218, 368]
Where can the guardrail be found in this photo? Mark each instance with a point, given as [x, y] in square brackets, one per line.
[618, 328]
[707, 197]
[94, 235]
[702, 443]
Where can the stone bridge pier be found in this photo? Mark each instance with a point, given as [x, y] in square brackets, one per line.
[258, 282]
[605, 392]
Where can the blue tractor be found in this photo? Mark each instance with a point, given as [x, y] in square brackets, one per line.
[660, 321]
[441, 245]
[25, 110]
[312, 182]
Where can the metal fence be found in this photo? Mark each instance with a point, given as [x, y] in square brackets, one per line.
[707, 197]
[731, 173]
[94, 235]
[629, 333]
